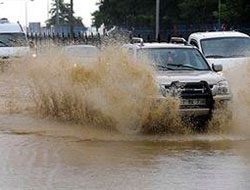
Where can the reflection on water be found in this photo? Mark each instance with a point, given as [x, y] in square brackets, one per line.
[35, 162]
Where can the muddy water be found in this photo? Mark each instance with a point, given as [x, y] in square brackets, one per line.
[42, 159]
[44, 153]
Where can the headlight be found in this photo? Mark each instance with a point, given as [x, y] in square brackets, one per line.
[221, 88]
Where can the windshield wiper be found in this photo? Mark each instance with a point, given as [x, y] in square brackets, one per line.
[164, 67]
[215, 56]
[184, 66]
[13, 40]
[1, 42]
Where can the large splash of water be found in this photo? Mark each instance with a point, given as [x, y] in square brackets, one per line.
[112, 92]
[239, 79]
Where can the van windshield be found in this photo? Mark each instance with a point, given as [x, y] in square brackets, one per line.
[226, 47]
[13, 40]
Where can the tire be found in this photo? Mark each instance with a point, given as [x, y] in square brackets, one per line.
[198, 123]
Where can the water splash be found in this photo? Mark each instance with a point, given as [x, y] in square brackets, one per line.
[239, 79]
[113, 92]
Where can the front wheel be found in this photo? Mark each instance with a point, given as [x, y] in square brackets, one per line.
[198, 123]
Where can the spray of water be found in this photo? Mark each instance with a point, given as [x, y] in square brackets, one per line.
[113, 92]
[239, 79]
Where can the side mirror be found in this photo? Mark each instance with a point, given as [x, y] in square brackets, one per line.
[217, 67]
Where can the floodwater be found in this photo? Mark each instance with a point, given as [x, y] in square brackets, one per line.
[61, 159]
[44, 153]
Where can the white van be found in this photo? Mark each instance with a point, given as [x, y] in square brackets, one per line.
[13, 41]
[228, 48]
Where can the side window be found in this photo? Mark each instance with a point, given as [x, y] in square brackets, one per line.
[194, 43]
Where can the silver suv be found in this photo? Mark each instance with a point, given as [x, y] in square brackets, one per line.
[184, 72]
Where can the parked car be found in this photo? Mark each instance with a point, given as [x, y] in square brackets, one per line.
[13, 42]
[183, 71]
[225, 48]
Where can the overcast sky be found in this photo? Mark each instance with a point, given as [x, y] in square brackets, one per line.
[37, 10]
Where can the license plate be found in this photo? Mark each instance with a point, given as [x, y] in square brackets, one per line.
[193, 102]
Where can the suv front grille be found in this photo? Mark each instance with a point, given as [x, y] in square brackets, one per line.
[193, 94]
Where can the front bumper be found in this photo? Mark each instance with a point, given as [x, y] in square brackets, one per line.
[219, 101]
[186, 111]
[195, 112]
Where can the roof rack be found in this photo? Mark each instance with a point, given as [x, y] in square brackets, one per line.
[178, 40]
[137, 40]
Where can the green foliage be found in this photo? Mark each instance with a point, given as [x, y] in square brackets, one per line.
[141, 13]
[64, 15]
[126, 13]
[237, 11]
[197, 11]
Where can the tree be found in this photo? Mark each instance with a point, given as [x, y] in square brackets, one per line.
[236, 12]
[141, 13]
[198, 11]
[135, 13]
[126, 13]
[64, 15]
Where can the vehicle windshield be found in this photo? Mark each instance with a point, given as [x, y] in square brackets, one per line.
[228, 47]
[174, 58]
[13, 40]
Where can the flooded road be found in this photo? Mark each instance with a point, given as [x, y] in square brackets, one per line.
[40, 152]
[39, 160]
